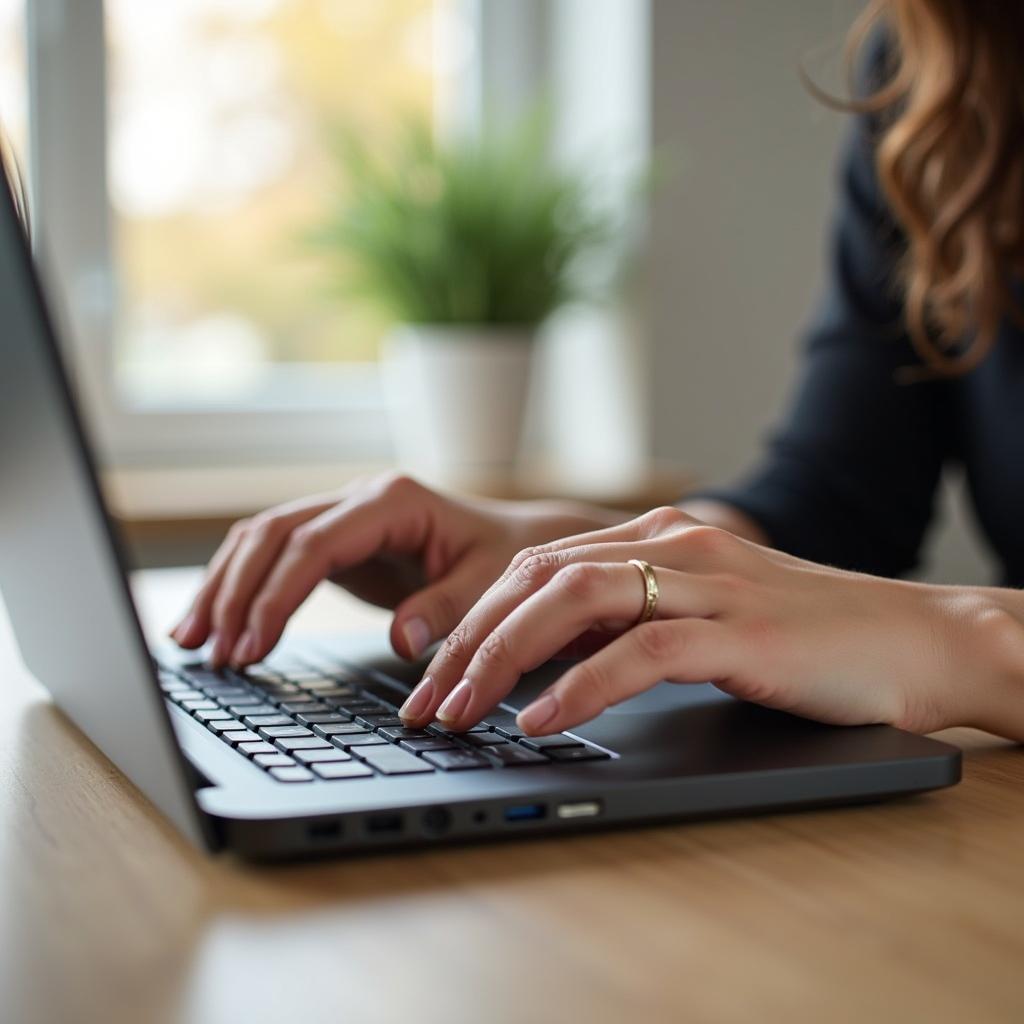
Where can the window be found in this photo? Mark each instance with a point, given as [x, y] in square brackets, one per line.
[14, 79]
[206, 325]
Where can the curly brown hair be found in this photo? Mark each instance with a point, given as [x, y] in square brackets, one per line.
[950, 160]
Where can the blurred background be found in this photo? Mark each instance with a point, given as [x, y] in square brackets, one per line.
[178, 152]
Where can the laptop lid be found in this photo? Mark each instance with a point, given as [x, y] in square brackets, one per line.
[61, 573]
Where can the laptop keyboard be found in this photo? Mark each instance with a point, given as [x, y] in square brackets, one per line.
[340, 725]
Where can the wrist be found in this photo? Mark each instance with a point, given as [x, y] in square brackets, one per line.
[991, 683]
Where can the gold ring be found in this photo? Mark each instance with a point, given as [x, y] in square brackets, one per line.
[651, 591]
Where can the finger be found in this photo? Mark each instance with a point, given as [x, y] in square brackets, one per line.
[194, 628]
[337, 539]
[580, 597]
[712, 552]
[255, 554]
[435, 610]
[649, 525]
[681, 650]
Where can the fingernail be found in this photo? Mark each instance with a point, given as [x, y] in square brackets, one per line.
[451, 710]
[183, 628]
[244, 649]
[219, 652]
[418, 701]
[417, 636]
[535, 716]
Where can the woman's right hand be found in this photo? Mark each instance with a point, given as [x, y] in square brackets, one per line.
[389, 540]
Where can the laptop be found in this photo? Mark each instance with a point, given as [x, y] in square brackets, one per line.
[304, 754]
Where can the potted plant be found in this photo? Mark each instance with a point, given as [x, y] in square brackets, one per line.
[468, 246]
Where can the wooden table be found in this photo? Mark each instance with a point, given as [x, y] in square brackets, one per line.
[909, 911]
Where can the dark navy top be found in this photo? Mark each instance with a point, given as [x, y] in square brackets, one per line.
[849, 477]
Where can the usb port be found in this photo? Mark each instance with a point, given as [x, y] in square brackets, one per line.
[525, 812]
[580, 809]
[378, 824]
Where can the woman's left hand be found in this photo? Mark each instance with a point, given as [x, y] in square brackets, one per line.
[831, 645]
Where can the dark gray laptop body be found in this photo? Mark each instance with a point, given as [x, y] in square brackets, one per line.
[675, 752]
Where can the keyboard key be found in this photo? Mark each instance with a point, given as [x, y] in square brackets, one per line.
[252, 709]
[180, 696]
[261, 673]
[298, 707]
[170, 685]
[359, 707]
[509, 730]
[358, 739]
[415, 746]
[342, 770]
[401, 732]
[456, 760]
[200, 704]
[440, 730]
[328, 729]
[295, 774]
[392, 761]
[333, 692]
[547, 742]
[273, 760]
[274, 732]
[214, 715]
[260, 747]
[227, 725]
[241, 736]
[576, 754]
[249, 703]
[482, 739]
[511, 755]
[381, 721]
[321, 718]
[320, 756]
[321, 684]
[259, 721]
[290, 743]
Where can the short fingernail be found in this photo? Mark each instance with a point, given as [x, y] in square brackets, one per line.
[244, 649]
[452, 709]
[417, 636]
[535, 716]
[183, 628]
[418, 701]
[219, 651]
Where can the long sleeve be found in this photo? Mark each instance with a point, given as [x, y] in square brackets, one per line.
[850, 475]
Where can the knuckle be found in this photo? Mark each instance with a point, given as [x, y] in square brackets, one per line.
[496, 649]
[580, 580]
[306, 539]
[536, 570]
[665, 518]
[398, 485]
[456, 645]
[266, 527]
[658, 641]
[238, 529]
[707, 540]
[524, 555]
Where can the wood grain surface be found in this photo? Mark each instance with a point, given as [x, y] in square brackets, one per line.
[907, 911]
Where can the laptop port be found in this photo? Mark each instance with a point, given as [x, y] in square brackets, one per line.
[525, 812]
[324, 830]
[579, 809]
[436, 820]
[381, 824]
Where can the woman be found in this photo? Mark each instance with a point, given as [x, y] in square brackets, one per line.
[779, 589]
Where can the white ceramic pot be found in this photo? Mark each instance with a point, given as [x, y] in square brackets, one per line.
[456, 397]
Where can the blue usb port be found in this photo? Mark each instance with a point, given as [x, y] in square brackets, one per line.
[525, 812]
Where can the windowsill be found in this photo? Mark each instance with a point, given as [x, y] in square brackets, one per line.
[183, 493]
[180, 494]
